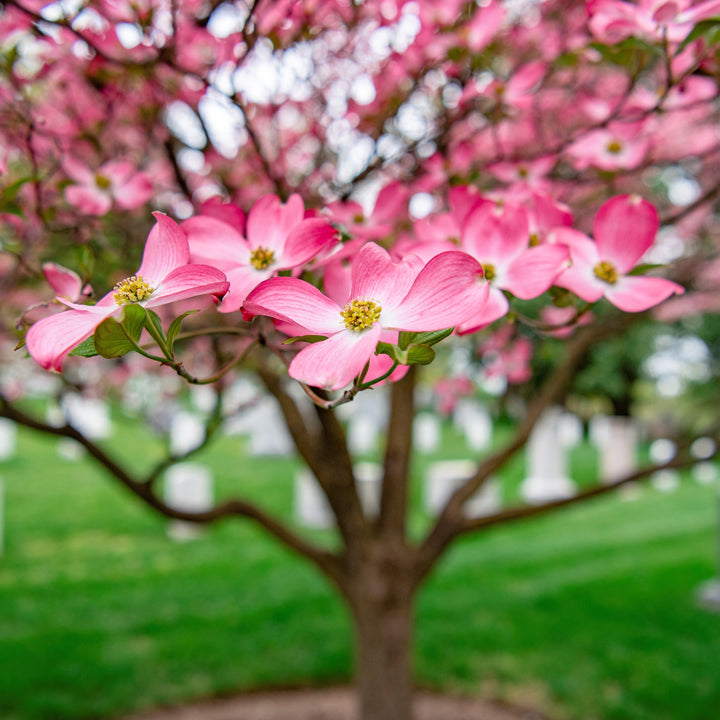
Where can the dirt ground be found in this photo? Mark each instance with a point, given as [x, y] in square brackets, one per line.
[332, 704]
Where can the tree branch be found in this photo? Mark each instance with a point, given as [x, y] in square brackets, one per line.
[451, 522]
[325, 560]
[393, 504]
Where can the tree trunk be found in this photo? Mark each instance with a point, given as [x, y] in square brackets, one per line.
[381, 603]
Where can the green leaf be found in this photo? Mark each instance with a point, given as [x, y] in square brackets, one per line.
[420, 355]
[645, 268]
[175, 327]
[112, 339]
[393, 351]
[156, 322]
[305, 338]
[433, 337]
[86, 348]
[405, 338]
[133, 320]
[703, 27]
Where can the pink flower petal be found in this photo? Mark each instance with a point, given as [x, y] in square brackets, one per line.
[117, 171]
[133, 193]
[305, 241]
[444, 294]
[269, 221]
[166, 249]
[496, 305]
[635, 294]
[297, 301]
[88, 200]
[78, 171]
[63, 281]
[189, 281]
[535, 270]
[49, 340]
[334, 363]
[243, 280]
[496, 233]
[214, 242]
[376, 277]
[624, 228]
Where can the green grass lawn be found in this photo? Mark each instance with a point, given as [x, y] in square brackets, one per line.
[588, 614]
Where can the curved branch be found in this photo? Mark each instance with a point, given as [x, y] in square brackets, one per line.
[451, 522]
[323, 559]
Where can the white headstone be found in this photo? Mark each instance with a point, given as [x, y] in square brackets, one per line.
[69, 449]
[443, 478]
[189, 488]
[269, 435]
[362, 434]
[617, 445]
[203, 398]
[89, 416]
[705, 473]
[368, 477]
[662, 451]
[474, 422]
[546, 476]
[570, 429]
[8, 439]
[426, 432]
[311, 506]
[187, 433]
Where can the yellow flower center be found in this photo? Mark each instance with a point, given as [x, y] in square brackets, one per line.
[132, 290]
[488, 271]
[260, 258]
[534, 239]
[614, 147]
[360, 314]
[102, 182]
[606, 272]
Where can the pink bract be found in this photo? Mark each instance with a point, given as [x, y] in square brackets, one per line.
[278, 237]
[166, 270]
[624, 229]
[440, 296]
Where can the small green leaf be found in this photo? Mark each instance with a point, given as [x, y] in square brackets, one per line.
[112, 339]
[433, 337]
[405, 338]
[420, 355]
[645, 268]
[156, 322]
[703, 27]
[133, 320]
[393, 351]
[175, 327]
[305, 338]
[86, 348]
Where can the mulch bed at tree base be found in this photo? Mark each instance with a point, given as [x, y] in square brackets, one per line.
[337, 703]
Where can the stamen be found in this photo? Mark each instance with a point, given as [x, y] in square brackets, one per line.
[132, 290]
[614, 147]
[102, 182]
[488, 271]
[260, 258]
[360, 314]
[606, 272]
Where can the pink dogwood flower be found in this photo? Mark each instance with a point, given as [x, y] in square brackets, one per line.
[115, 182]
[624, 229]
[164, 276]
[278, 237]
[498, 237]
[384, 296]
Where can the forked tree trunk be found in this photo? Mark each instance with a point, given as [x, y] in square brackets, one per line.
[382, 612]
